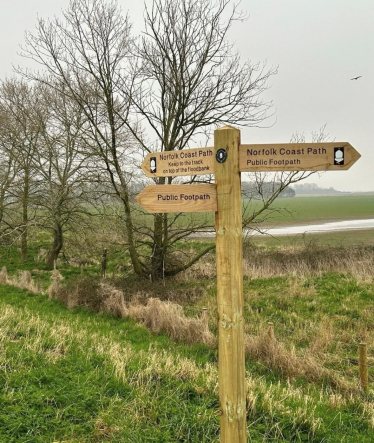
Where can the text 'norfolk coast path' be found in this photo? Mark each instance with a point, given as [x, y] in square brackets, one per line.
[331, 156]
[196, 161]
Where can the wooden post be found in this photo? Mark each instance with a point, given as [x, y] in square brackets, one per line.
[363, 366]
[38, 287]
[271, 331]
[204, 319]
[229, 256]
[103, 264]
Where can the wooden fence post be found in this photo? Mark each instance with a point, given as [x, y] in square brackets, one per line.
[271, 331]
[204, 319]
[103, 264]
[229, 257]
[363, 366]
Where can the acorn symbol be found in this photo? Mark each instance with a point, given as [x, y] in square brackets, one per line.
[153, 164]
[339, 156]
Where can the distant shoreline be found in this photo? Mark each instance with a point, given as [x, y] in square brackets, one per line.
[334, 194]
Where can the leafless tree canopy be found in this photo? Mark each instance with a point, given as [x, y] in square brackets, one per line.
[188, 78]
[76, 131]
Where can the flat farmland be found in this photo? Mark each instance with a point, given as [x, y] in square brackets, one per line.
[296, 210]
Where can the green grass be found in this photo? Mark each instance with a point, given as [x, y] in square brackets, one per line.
[71, 376]
[315, 209]
[75, 376]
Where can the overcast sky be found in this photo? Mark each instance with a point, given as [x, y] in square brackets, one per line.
[318, 46]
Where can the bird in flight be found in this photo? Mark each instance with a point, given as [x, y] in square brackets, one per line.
[356, 78]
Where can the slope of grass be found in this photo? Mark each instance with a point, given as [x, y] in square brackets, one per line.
[74, 376]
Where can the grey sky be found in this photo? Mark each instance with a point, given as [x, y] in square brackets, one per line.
[318, 45]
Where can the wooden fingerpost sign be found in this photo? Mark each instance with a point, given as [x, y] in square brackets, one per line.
[226, 160]
[229, 251]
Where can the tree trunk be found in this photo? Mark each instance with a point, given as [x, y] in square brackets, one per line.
[157, 258]
[104, 262]
[58, 242]
[25, 216]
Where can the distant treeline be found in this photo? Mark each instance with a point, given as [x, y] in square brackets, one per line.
[312, 188]
[253, 190]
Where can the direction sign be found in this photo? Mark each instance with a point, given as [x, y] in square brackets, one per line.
[178, 198]
[225, 199]
[331, 156]
[195, 161]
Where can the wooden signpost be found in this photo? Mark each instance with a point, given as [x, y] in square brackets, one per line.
[226, 160]
[330, 156]
[177, 163]
[335, 156]
[178, 198]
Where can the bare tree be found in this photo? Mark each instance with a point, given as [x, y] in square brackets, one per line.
[62, 168]
[20, 101]
[166, 92]
[86, 55]
[8, 171]
[188, 81]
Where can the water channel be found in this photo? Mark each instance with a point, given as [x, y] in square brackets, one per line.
[323, 227]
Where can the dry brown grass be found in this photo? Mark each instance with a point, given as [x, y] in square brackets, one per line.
[4, 276]
[54, 288]
[167, 317]
[309, 260]
[157, 315]
[324, 336]
[113, 301]
[275, 355]
[24, 280]
[205, 268]
[93, 294]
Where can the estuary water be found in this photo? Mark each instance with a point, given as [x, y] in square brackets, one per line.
[323, 227]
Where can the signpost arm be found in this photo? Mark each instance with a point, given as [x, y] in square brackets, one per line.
[229, 251]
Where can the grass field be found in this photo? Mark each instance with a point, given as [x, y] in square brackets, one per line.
[317, 209]
[292, 211]
[74, 376]
[79, 376]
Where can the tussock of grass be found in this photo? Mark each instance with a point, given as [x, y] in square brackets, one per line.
[113, 300]
[157, 315]
[4, 276]
[93, 294]
[169, 318]
[276, 356]
[55, 286]
[22, 280]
